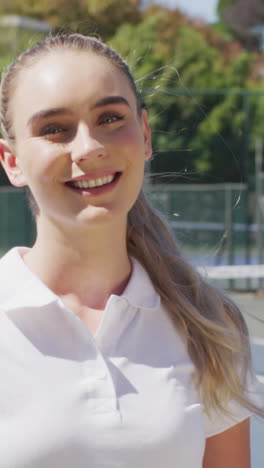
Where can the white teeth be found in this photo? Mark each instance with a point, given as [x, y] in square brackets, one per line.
[82, 184]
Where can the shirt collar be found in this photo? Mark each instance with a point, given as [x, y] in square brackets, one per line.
[140, 292]
[22, 288]
[19, 286]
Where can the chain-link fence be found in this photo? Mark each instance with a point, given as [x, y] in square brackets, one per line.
[217, 131]
[17, 224]
[210, 221]
[215, 224]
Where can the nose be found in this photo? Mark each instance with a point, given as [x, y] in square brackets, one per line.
[86, 146]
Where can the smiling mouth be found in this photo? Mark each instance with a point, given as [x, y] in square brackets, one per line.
[94, 183]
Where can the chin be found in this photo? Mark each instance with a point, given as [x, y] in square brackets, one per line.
[99, 216]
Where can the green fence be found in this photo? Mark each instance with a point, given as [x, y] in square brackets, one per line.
[212, 222]
[17, 225]
[205, 135]
[216, 224]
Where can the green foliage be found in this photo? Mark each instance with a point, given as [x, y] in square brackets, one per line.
[14, 41]
[192, 131]
[173, 61]
[222, 4]
[84, 16]
[240, 17]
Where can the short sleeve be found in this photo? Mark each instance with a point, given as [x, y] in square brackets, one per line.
[218, 422]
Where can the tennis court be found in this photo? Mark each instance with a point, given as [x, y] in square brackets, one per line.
[19, 230]
[253, 304]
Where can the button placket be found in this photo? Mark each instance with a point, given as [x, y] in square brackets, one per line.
[116, 318]
[97, 387]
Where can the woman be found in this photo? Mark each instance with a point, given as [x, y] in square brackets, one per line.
[114, 351]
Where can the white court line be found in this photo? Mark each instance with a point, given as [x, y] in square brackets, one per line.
[257, 341]
[232, 271]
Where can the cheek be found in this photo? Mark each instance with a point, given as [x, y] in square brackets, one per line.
[40, 160]
[130, 143]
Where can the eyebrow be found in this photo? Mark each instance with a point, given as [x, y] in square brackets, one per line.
[110, 100]
[44, 114]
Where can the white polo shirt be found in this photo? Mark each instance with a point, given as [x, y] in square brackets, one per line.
[121, 399]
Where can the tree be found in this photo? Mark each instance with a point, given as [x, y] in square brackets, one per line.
[119, 11]
[240, 16]
[86, 16]
[193, 133]
[243, 12]
[199, 132]
[222, 4]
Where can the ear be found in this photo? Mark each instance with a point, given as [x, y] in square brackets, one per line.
[10, 164]
[147, 135]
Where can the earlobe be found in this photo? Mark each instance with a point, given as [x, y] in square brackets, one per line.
[10, 165]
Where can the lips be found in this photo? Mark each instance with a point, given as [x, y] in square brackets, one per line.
[91, 183]
[87, 185]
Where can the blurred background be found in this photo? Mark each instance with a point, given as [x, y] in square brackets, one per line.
[199, 68]
[200, 71]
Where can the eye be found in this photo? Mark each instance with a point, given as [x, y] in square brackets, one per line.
[53, 129]
[110, 117]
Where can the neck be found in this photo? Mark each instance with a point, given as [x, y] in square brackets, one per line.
[89, 264]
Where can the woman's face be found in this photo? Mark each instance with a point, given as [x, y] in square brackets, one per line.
[80, 143]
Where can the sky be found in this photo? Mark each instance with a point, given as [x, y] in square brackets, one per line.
[204, 9]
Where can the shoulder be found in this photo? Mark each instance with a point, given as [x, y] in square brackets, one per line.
[234, 443]
[11, 258]
[12, 272]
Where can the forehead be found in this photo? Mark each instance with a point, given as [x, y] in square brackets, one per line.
[66, 78]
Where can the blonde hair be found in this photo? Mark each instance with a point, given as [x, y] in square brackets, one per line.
[212, 327]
